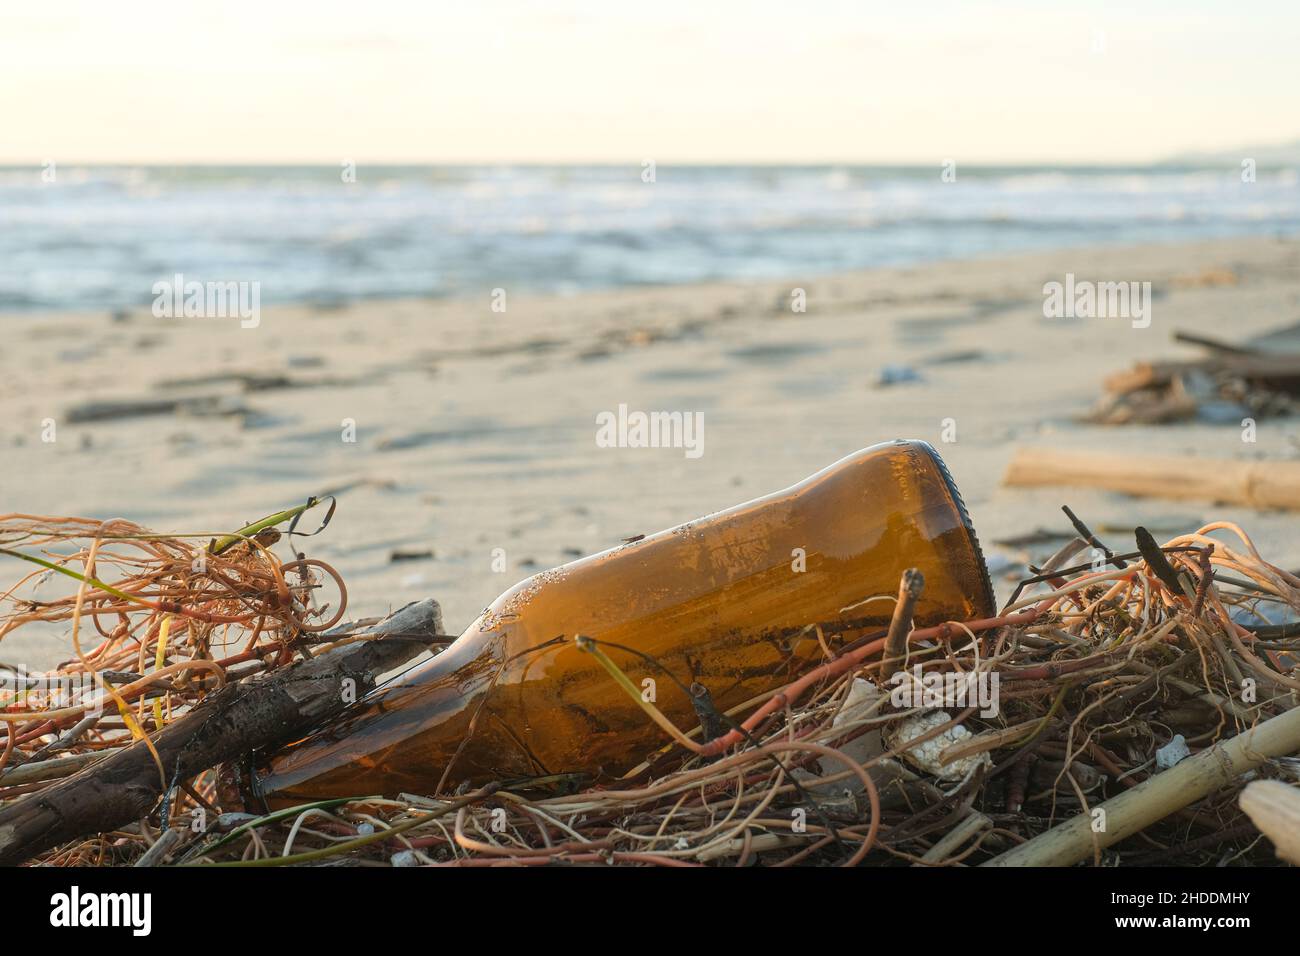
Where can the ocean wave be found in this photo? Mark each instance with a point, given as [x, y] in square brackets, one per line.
[97, 237]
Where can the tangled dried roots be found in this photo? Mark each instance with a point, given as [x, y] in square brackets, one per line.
[156, 621]
[1096, 674]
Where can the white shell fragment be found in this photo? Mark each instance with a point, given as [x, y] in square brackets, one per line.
[1171, 753]
[861, 703]
[925, 757]
[863, 696]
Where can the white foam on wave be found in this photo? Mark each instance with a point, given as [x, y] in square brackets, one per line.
[100, 237]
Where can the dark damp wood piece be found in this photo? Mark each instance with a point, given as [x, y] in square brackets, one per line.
[236, 720]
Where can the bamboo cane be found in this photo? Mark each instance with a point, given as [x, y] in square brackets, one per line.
[1159, 796]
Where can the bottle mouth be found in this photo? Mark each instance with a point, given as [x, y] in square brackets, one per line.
[990, 602]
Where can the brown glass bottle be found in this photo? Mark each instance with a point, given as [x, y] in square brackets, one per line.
[723, 600]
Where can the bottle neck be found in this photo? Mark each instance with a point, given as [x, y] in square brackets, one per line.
[416, 719]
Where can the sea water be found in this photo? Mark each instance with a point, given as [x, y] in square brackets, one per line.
[101, 237]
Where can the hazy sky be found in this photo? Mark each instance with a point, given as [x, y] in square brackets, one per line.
[616, 81]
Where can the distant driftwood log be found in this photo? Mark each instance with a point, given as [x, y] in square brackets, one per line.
[1257, 484]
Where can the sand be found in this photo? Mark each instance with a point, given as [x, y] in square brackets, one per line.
[476, 430]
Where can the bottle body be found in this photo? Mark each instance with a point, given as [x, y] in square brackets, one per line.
[725, 601]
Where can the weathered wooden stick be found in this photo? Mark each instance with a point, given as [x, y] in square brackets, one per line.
[900, 625]
[955, 837]
[1213, 344]
[1274, 484]
[1280, 371]
[1146, 375]
[1274, 808]
[241, 717]
[166, 841]
[1160, 795]
[51, 769]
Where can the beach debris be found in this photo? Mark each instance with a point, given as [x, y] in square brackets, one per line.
[1172, 753]
[650, 594]
[1231, 383]
[167, 841]
[1255, 484]
[957, 357]
[258, 381]
[225, 722]
[1098, 669]
[174, 602]
[894, 656]
[939, 733]
[200, 406]
[896, 374]
[862, 706]
[248, 381]
[1160, 795]
[1274, 808]
[410, 554]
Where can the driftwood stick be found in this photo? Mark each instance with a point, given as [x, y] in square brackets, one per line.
[1274, 808]
[52, 769]
[900, 625]
[241, 717]
[1257, 484]
[955, 837]
[1159, 795]
[154, 856]
[1214, 345]
[69, 738]
[1278, 371]
[1086, 533]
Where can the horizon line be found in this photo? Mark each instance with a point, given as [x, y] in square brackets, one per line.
[614, 164]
